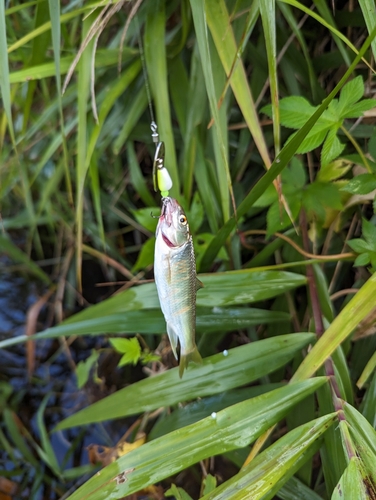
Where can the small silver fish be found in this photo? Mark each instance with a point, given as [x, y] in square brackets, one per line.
[176, 280]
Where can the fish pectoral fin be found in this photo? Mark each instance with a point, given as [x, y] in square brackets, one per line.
[172, 335]
[199, 284]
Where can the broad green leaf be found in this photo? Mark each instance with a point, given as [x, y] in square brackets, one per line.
[318, 196]
[331, 148]
[358, 109]
[196, 410]
[218, 373]
[145, 219]
[210, 482]
[277, 221]
[238, 287]
[145, 257]
[294, 111]
[228, 429]
[350, 316]
[84, 368]
[361, 184]
[211, 320]
[362, 260]
[352, 92]
[369, 233]
[358, 245]
[333, 170]
[130, 348]
[314, 139]
[265, 474]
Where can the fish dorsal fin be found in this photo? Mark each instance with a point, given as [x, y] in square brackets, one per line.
[199, 284]
[173, 339]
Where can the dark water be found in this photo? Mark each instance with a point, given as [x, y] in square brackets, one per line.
[53, 378]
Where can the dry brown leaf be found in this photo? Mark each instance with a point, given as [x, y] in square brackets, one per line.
[105, 455]
[8, 488]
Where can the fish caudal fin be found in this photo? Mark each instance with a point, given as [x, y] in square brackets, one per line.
[186, 357]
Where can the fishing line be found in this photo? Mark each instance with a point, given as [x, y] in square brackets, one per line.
[161, 177]
[146, 78]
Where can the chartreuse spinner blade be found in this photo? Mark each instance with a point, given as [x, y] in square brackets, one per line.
[161, 177]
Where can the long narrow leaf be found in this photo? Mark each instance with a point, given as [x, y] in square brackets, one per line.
[218, 373]
[228, 429]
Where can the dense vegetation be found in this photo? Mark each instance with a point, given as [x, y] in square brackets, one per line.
[267, 113]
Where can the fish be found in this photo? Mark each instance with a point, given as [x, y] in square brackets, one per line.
[176, 280]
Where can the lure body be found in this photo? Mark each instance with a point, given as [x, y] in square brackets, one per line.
[176, 280]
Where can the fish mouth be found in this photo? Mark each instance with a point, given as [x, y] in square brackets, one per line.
[167, 241]
[167, 210]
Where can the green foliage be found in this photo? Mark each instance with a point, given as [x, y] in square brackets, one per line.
[76, 190]
[295, 111]
[84, 368]
[366, 246]
[131, 352]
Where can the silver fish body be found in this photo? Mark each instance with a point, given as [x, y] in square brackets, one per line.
[176, 280]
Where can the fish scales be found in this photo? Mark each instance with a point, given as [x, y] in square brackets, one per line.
[176, 280]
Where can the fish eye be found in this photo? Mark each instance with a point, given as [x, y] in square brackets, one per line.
[183, 219]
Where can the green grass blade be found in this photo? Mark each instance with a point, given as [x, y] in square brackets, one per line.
[221, 30]
[4, 75]
[339, 37]
[367, 372]
[156, 63]
[54, 7]
[218, 373]
[352, 483]
[267, 11]
[113, 92]
[39, 48]
[224, 178]
[228, 429]
[137, 177]
[83, 91]
[103, 59]
[348, 319]
[17, 255]
[262, 478]
[369, 13]
[279, 164]
[134, 112]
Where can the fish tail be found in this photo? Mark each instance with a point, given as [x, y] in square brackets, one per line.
[186, 357]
